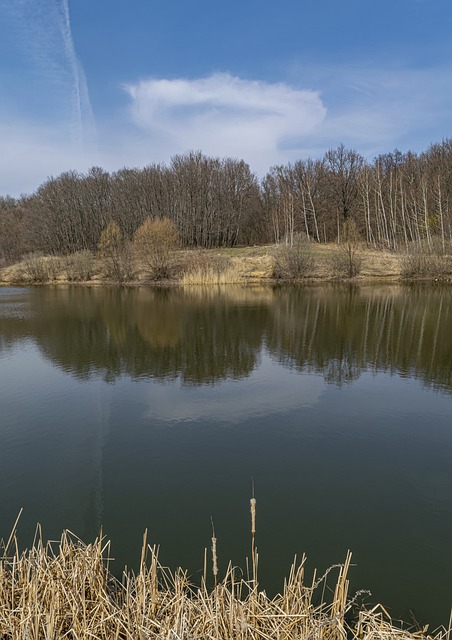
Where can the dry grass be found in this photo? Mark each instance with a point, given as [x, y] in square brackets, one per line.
[209, 268]
[231, 266]
[210, 276]
[65, 590]
[37, 269]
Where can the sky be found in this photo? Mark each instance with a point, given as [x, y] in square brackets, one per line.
[116, 83]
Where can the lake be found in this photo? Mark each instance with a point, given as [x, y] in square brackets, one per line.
[134, 408]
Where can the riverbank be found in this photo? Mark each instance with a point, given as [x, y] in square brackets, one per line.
[263, 264]
[64, 589]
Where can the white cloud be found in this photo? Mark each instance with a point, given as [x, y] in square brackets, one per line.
[225, 116]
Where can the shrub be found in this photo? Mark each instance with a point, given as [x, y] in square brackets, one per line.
[116, 253]
[347, 262]
[418, 263]
[36, 268]
[294, 262]
[79, 266]
[154, 244]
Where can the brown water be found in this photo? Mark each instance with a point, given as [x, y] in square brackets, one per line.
[137, 408]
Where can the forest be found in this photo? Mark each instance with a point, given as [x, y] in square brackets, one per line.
[396, 201]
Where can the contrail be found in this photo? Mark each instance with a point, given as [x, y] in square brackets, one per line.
[37, 37]
[81, 106]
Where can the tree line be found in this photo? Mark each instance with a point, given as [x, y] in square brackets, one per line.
[394, 201]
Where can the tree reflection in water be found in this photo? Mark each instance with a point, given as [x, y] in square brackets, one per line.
[205, 335]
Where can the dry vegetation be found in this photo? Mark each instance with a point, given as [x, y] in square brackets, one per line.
[124, 262]
[294, 262]
[209, 268]
[429, 263]
[155, 255]
[64, 589]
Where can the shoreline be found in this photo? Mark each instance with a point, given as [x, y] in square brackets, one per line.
[244, 266]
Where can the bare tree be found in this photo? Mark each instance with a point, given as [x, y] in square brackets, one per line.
[344, 167]
[13, 236]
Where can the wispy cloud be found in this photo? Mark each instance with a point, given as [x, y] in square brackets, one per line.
[45, 80]
[377, 108]
[82, 116]
[225, 115]
[45, 111]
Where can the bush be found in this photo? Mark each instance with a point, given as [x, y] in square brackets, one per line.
[417, 263]
[294, 262]
[36, 268]
[116, 254]
[154, 244]
[347, 262]
[79, 266]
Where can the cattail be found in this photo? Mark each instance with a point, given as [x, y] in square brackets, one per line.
[214, 557]
[253, 532]
[214, 553]
[253, 515]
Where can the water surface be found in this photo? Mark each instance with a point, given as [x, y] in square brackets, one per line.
[129, 409]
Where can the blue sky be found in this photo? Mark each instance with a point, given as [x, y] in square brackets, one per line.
[116, 83]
